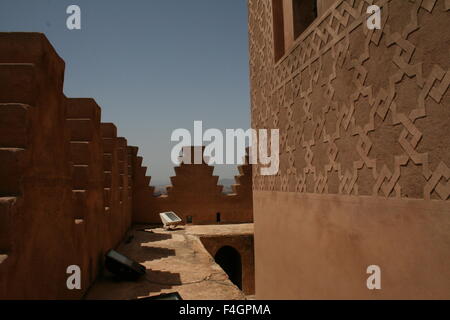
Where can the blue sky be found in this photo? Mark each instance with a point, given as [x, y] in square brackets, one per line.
[152, 65]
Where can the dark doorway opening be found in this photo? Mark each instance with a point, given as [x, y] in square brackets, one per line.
[189, 219]
[230, 260]
[305, 12]
[218, 219]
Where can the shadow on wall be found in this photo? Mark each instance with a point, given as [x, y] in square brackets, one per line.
[109, 287]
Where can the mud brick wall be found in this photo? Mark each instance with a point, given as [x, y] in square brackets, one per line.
[83, 118]
[64, 176]
[36, 193]
[364, 125]
[70, 187]
[194, 193]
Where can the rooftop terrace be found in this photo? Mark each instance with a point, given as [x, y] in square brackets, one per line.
[175, 261]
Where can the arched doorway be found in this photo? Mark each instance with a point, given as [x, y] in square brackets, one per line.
[230, 260]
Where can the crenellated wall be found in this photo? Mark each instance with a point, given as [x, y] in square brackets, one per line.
[364, 124]
[35, 183]
[194, 193]
[70, 187]
[56, 159]
[83, 118]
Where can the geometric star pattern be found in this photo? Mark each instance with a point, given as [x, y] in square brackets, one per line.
[360, 112]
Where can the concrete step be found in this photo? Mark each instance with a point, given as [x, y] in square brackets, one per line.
[109, 130]
[121, 155]
[79, 152]
[15, 120]
[3, 258]
[107, 161]
[121, 180]
[79, 204]
[18, 83]
[122, 151]
[80, 177]
[141, 171]
[138, 162]
[13, 162]
[107, 183]
[245, 170]
[80, 129]
[8, 207]
[82, 108]
[141, 181]
[120, 194]
[121, 166]
[109, 145]
[107, 197]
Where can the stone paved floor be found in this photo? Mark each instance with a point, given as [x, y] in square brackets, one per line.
[175, 261]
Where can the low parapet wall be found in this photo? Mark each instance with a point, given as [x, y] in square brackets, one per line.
[195, 196]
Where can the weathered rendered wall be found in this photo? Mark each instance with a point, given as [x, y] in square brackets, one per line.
[194, 192]
[53, 211]
[364, 125]
[69, 184]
